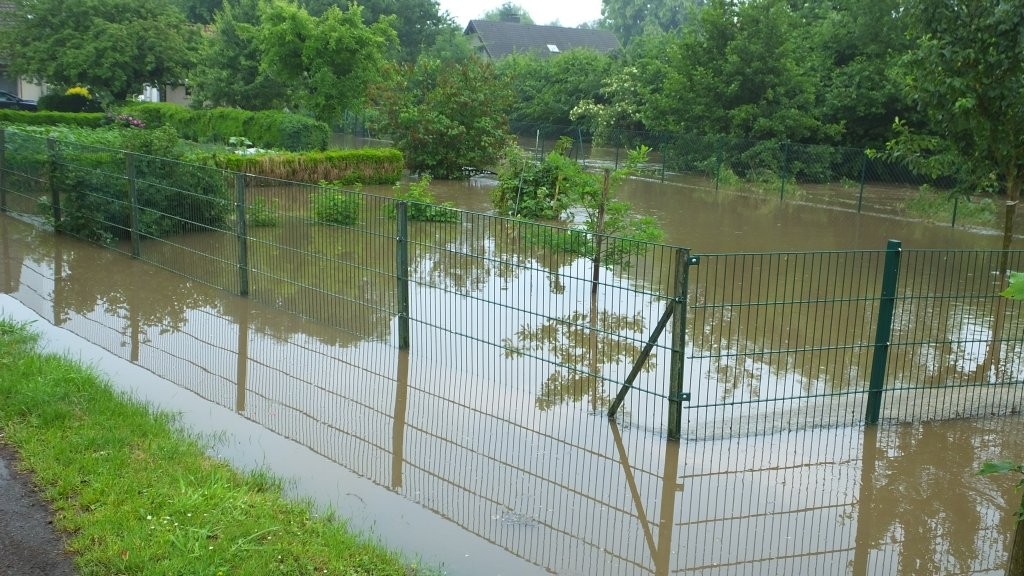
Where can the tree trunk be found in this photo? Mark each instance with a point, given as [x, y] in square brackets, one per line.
[1015, 563]
[599, 233]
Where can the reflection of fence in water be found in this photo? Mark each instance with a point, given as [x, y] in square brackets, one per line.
[568, 493]
[772, 331]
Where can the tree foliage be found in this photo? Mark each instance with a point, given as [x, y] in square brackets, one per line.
[547, 89]
[229, 71]
[509, 11]
[445, 115]
[112, 46]
[418, 23]
[965, 72]
[630, 19]
[327, 62]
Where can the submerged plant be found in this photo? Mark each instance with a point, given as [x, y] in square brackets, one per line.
[421, 204]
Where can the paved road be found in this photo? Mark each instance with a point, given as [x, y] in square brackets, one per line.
[29, 545]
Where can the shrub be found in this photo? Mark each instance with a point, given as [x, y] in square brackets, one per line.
[545, 190]
[346, 167]
[173, 196]
[261, 213]
[421, 204]
[75, 102]
[333, 206]
[266, 129]
[85, 120]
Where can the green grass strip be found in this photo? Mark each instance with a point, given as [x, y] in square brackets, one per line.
[138, 495]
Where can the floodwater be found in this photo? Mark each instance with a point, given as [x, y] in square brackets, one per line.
[483, 462]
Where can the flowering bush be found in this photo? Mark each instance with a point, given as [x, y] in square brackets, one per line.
[79, 91]
[126, 121]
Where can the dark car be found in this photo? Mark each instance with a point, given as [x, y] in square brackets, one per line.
[12, 102]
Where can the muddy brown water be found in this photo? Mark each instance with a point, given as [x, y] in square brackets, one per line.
[445, 452]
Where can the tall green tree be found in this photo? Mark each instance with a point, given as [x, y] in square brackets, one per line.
[229, 71]
[327, 62]
[114, 47]
[509, 11]
[418, 23]
[630, 19]
[965, 72]
[547, 89]
[857, 43]
[199, 11]
[745, 70]
[445, 115]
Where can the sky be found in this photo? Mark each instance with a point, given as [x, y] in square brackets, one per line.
[568, 13]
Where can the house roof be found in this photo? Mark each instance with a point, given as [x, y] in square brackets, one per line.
[499, 39]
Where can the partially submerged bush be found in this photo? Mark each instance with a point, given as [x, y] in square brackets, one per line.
[421, 204]
[346, 167]
[335, 206]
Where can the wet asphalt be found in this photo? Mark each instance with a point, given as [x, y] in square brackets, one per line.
[30, 544]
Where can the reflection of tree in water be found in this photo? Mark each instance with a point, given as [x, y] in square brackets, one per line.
[126, 289]
[465, 258]
[925, 495]
[335, 276]
[581, 343]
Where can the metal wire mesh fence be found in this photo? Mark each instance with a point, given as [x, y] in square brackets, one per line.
[842, 178]
[700, 346]
[494, 417]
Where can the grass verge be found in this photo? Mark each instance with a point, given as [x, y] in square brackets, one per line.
[137, 495]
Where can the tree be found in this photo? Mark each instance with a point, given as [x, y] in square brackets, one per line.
[200, 11]
[965, 73]
[445, 115]
[418, 23]
[114, 47]
[547, 89]
[229, 71]
[327, 62]
[630, 19]
[509, 12]
[1015, 563]
[742, 70]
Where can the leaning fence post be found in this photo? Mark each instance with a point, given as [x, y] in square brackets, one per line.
[51, 154]
[402, 274]
[883, 332]
[133, 206]
[3, 167]
[242, 232]
[676, 396]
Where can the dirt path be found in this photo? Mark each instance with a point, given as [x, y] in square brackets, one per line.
[29, 543]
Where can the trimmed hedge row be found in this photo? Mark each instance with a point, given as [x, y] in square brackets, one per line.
[362, 166]
[266, 129]
[85, 120]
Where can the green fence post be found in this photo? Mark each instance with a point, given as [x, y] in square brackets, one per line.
[133, 204]
[51, 154]
[883, 332]
[676, 396]
[3, 167]
[863, 175]
[242, 232]
[785, 169]
[956, 208]
[616, 155]
[402, 273]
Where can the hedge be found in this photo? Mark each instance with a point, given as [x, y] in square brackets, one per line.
[265, 129]
[85, 120]
[362, 166]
